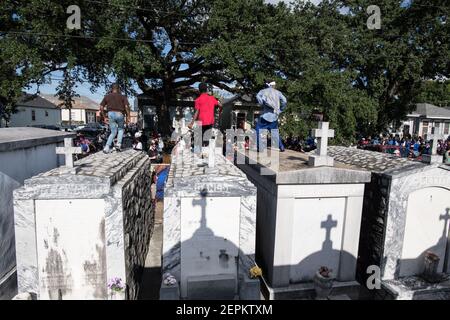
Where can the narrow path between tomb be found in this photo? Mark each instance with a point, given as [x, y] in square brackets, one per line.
[151, 278]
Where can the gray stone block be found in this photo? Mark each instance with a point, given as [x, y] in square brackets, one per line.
[340, 297]
[249, 289]
[23, 296]
[211, 287]
[8, 285]
[169, 292]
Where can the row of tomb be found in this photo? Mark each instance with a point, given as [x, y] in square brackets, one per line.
[379, 223]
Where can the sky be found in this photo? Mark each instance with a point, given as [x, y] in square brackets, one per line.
[276, 1]
[83, 89]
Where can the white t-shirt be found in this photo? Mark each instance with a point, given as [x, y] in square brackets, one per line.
[138, 146]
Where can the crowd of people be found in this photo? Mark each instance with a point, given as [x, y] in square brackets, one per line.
[412, 147]
[407, 146]
[300, 145]
[151, 143]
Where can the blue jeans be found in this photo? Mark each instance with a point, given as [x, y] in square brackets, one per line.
[273, 127]
[116, 123]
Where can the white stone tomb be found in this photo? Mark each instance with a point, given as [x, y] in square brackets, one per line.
[209, 229]
[75, 233]
[309, 216]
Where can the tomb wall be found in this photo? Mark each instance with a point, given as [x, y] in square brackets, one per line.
[120, 183]
[387, 240]
[24, 152]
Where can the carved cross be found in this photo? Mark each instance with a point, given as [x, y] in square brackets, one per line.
[435, 138]
[68, 151]
[322, 134]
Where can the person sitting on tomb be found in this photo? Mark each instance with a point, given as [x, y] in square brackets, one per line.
[273, 103]
[160, 143]
[447, 155]
[137, 145]
[153, 151]
[205, 106]
[416, 149]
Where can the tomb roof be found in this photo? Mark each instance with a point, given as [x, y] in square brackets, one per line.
[98, 167]
[190, 174]
[27, 137]
[293, 168]
[373, 161]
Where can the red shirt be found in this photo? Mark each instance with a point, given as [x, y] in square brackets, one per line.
[205, 105]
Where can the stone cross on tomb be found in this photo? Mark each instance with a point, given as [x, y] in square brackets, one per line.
[323, 133]
[328, 225]
[212, 153]
[436, 137]
[434, 157]
[68, 151]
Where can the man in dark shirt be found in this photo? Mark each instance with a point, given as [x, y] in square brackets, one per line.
[118, 110]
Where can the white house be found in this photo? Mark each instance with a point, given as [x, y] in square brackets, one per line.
[147, 110]
[427, 119]
[34, 110]
[84, 110]
[240, 112]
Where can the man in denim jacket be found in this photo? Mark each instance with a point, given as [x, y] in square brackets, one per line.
[273, 102]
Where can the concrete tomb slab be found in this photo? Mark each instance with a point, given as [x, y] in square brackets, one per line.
[77, 233]
[405, 216]
[307, 217]
[24, 152]
[209, 229]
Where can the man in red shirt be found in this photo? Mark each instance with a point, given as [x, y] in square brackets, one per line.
[204, 109]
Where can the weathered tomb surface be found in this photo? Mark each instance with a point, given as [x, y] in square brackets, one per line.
[24, 152]
[405, 216]
[308, 216]
[209, 229]
[77, 232]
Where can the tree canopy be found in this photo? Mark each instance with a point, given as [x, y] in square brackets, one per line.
[324, 57]
[436, 92]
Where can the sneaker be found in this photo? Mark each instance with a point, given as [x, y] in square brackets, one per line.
[118, 148]
[106, 150]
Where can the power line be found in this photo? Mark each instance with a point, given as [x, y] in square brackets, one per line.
[137, 7]
[140, 8]
[428, 6]
[26, 33]
[159, 42]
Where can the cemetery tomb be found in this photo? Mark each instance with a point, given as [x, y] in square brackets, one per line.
[209, 228]
[405, 220]
[82, 231]
[309, 211]
[24, 152]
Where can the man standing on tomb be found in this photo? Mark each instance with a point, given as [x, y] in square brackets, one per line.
[273, 102]
[118, 110]
[205, 106]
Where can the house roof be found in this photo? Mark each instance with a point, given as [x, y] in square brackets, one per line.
[81, 102]
[35, 101]
[143, 96]
[430, 111]
[242, 98]
[143, 99]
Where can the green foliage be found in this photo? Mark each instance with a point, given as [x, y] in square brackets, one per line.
[66, 92]
[324, 57]
[434, 92]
